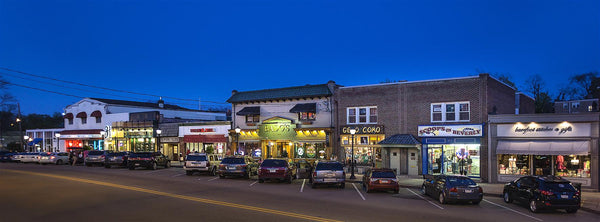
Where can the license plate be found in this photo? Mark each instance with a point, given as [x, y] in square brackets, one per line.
[329, 180]
[137, 164]
[384, 181]
[468, 191]
[231, 168]
[564, 196]
[272, 170]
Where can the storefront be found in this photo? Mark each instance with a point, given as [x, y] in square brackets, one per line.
[83, 138]
[367, 151]
[210, 137]
[567, 148]
[134, 136]
[452, 149]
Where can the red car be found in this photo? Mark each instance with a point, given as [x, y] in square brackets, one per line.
[275, 169]
[380, 179]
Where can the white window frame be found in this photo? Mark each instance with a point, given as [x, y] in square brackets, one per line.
[456, 111]
[357, 116]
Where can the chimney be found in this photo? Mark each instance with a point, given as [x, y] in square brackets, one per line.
[517, 102]
[161, 103]
[233, 92]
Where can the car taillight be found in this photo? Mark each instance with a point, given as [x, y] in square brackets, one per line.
[102, 156]
[480, 190]
[547, 193]
[374, 180]
[222, 166]
[577, 193]
[453, 190]
[123, 157]
[53, 157]
[241, 166]
[207, 163]
[315, 174]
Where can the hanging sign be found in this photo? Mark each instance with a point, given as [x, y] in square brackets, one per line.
[475, 130]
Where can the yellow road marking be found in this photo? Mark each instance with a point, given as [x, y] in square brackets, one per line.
[195, 199]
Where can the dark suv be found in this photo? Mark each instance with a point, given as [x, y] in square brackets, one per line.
[95, 157]
[276, 169]
[543, 192]
[150, 160]
[116, 159]
[237, 166]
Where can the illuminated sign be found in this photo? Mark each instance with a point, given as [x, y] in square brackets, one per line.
[277, 128]
[377, 129]
[203, 130]
[545, 130]
[475, 130]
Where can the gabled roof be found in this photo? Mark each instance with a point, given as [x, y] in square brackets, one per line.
[281, 93]
[141, 104]
[400, 139]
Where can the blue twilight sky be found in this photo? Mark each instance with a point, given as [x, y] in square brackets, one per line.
[204, 49]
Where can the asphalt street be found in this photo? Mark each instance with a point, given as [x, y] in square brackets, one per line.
[32, 192]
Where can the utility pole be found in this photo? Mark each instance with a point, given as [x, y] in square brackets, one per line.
[19, 120]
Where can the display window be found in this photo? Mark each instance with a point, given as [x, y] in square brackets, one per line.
[461, 159]
[311, 150]
[558, 165]
[572, 166]
[513, 164]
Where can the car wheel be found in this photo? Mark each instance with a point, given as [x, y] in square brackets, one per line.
[213, 172]
[106, 166]
[221, 176]
[507, 198]
[59, 162]
[442, 198]
[533, 206]
[396, 191]
[289, 179]
[368, 190]
[313, 185]
[188, 172]
[342, 185]
[131, 168]
[423, 190]
[88, 165]
[154, 166]
[168, 164]
[261, 180]
[572, 210]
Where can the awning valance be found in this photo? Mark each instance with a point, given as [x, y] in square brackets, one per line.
[543, 147]
[304, 107]
[68, 116]
[252, 110]
[35, 141]
[81, 115]
[204, 139]
[96, 113]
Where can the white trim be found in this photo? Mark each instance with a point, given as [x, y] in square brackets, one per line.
[357, 118]
[407, 82]
[456, 111]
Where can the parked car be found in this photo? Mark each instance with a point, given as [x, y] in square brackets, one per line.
[303, 169]
[30, 158]
[276, 169]
[380, 179]
[54, 158]
[543, 192]
[116, 159]
[97, 157]
[449, 188]
[6, 157]
[328, 172]
[243, 166]
[150, 160]
[17, 157]
[201, 162]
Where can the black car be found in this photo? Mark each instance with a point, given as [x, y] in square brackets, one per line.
[149, 160]
[455, 188]
[116, 159]
[6, 156]
[543, 192]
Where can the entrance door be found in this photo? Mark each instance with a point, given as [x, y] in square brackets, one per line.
[413, 169]
[395, 160]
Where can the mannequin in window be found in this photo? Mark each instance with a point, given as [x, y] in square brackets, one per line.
[560, 163]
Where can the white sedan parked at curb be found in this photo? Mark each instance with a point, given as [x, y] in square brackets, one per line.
[54, 158]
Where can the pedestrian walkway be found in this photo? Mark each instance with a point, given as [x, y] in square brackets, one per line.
[590, 199]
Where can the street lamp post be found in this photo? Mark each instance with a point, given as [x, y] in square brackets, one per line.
[237, 138]
[103, 134]
[352, 131]
[57, 135]
[158, 132]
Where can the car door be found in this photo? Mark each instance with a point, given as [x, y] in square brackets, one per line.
[440, 184]
[524, 186]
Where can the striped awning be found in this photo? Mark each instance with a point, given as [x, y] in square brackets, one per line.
[96, 113]
[81, 115]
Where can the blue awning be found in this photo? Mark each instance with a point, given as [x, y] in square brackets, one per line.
[35, 141]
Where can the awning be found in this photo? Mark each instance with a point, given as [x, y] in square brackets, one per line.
[81, 115]
[543, 147]
[204, 139]
[252, 110]
[81, 134]
[68, 116]
[304, 107]
[34, 141]
[400, 139]
[96, 113]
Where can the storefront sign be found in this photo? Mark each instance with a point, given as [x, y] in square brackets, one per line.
[203, 130]
[169, 139]
[80, 136]
[545, 130]
[277, 129]
[377, 129]
[475, 130]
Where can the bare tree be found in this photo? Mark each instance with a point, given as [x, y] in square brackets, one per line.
[581, 86]
[536, 86]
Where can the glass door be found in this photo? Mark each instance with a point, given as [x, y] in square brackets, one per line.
[434, 154]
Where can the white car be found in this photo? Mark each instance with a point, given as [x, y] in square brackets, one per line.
[30, 157]
[54, 158]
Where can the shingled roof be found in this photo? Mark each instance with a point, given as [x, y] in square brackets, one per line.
[400, 139]
[141, 104]
[281, 93]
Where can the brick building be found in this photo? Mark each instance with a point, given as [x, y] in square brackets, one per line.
[447, 115]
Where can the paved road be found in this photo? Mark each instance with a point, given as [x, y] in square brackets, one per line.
[31, 192]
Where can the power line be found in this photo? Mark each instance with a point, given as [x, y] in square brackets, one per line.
[103, 88]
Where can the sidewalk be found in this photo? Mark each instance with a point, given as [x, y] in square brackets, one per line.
[590, 199]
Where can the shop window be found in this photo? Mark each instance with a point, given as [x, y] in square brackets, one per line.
[70, 121]
[450, 112]
[98, 119]
[366, 115]
[572, 166]
[509, 164]
[252, 118]
[306, 116]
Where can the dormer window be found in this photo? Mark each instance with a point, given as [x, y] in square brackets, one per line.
[252, 114]
[306, 111]
[252, 118]
[306, 116]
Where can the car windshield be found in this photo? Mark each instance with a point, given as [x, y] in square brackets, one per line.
[383, 174]
[460, 181]
[329, 166]
[233, 161]
[96, 153]
[274, 163]
[141, 155]
[558, 187]
[196, 157]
